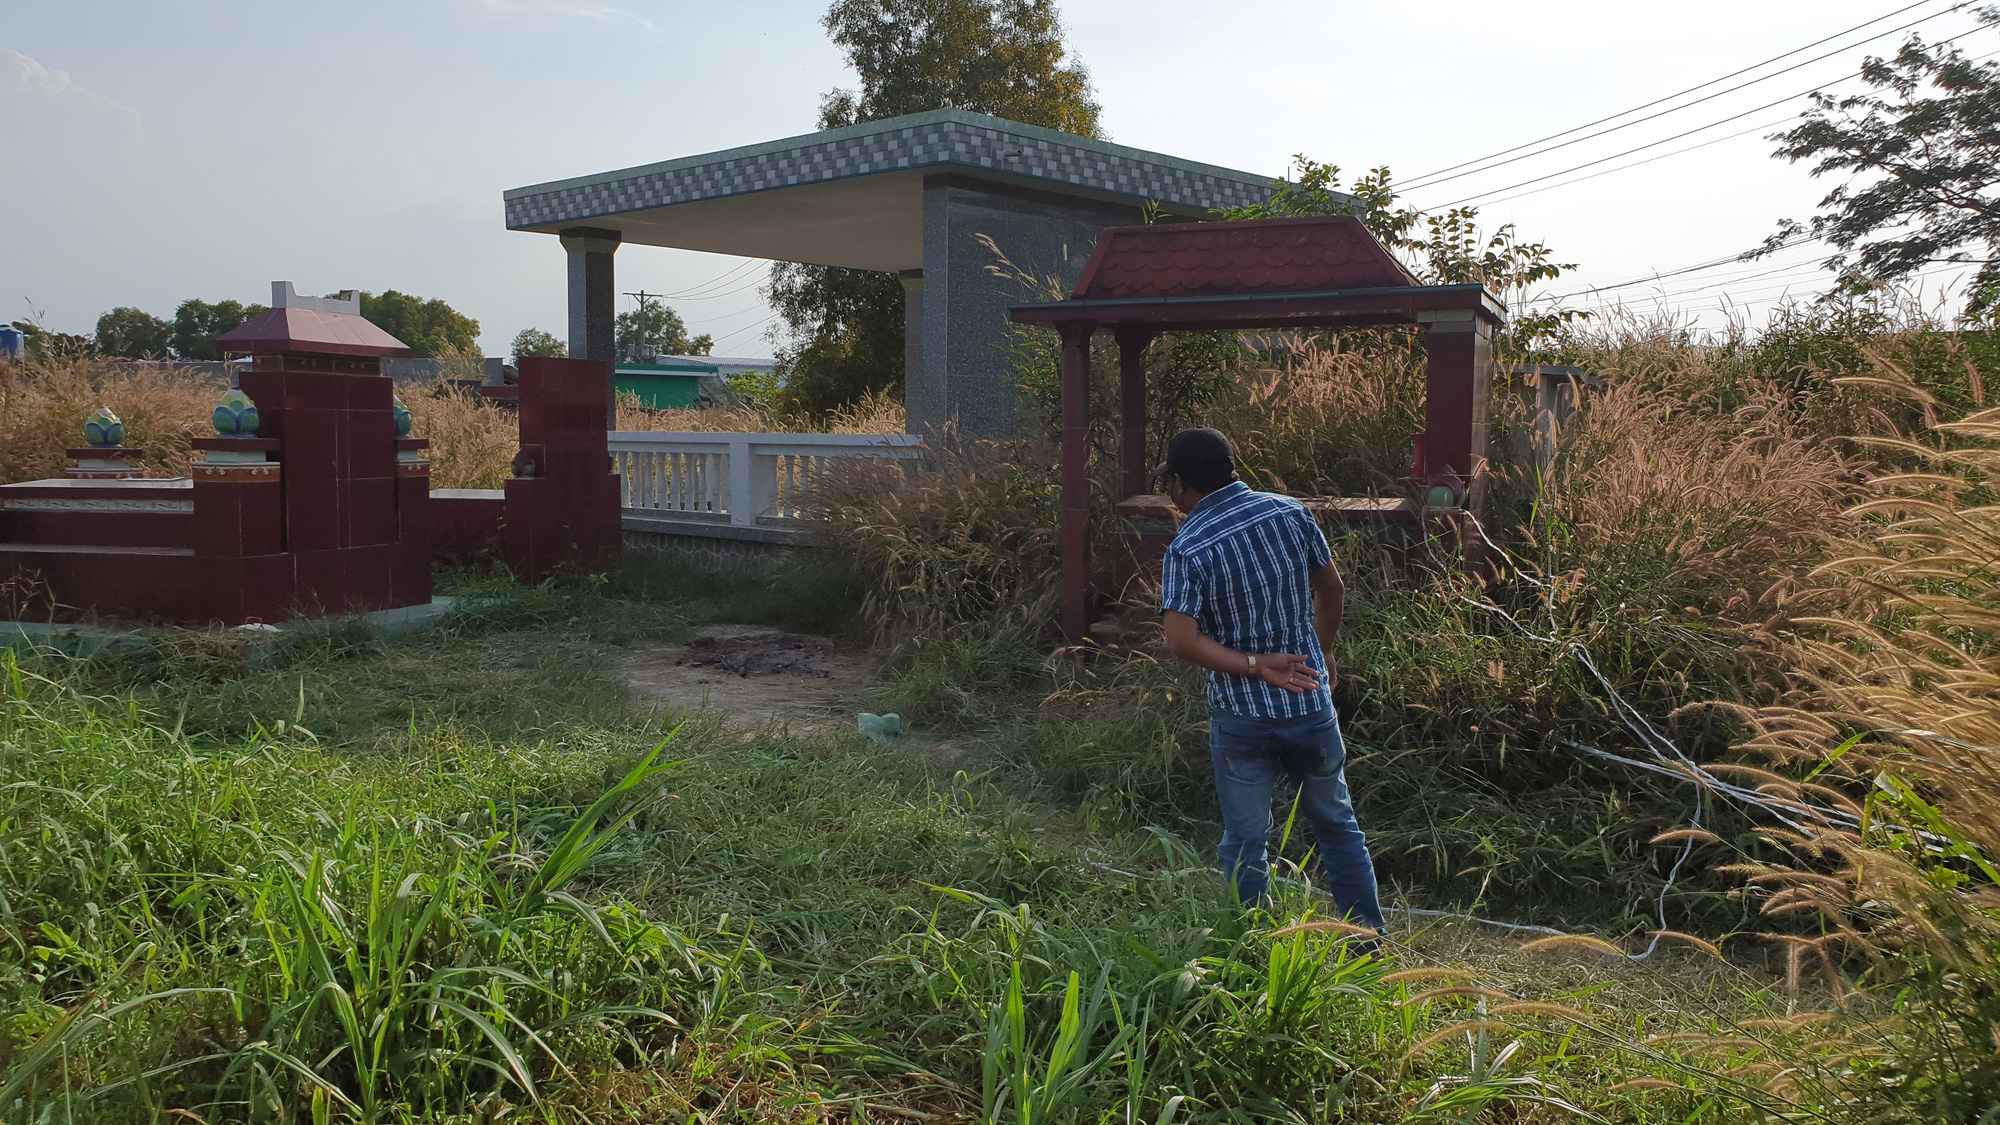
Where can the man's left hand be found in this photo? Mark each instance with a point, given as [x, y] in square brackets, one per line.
[1289, 671]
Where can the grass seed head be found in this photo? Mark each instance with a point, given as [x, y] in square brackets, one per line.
[1415, 975]
[1469, 1027]
[1326, 926]
[1461, 991]
[1572, 943]
[1702, 944]
[1685, 835]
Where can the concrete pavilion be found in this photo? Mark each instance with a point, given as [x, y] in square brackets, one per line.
[908, 195]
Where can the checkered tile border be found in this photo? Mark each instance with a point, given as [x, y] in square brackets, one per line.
[936, 145]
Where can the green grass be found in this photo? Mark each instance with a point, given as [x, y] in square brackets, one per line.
[333, 876]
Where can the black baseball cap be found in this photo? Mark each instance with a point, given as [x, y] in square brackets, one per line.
[1202, 458]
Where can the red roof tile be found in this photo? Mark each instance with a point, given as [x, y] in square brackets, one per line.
[1239, 259]
[312, 332]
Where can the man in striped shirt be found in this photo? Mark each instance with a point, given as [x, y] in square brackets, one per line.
[1250, 593]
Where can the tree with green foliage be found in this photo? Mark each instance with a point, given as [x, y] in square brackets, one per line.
[197, 324]
[535, 342]
[844, 328]
[1920, 180]
[1447, 248]
[652, 330]
[134, 334]
[430, 327]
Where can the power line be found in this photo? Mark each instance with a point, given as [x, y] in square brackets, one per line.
[1757, 293]
[746, 328]
[724, 278]
[1434, 178]
[1671, 97]
[1636, 163]
[1650, 278]
[1665, 140]
[728, 292]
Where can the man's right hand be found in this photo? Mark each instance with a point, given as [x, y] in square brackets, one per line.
[1286, 670]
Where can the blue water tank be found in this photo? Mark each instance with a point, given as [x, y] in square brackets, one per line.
[13, 345]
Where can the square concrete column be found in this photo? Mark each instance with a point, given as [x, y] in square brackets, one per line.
[916, 401]
[593, 303]
[968, 360]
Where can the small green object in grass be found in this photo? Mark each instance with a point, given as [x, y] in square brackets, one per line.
[881, 727]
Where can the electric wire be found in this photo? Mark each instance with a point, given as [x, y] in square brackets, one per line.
[1765, 291]
[746, 328]
[746, 286]
[1654, 144]
[727, 277]
[1668, 757]
[1650, 278]
[1434, 178]
[1636, 163]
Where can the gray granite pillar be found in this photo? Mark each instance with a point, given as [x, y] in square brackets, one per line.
[916, 393]
[967, 359]
[593, 301]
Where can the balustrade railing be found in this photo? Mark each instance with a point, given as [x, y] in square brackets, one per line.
[734, 478]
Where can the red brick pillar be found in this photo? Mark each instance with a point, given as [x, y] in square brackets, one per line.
[334, 418]
[1457, 387]
[562, 508]
[238, 532]
[410, 564]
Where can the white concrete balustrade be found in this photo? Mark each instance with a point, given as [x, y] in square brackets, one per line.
[735, 479]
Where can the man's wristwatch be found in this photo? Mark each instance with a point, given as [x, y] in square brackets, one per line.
[1252, 658]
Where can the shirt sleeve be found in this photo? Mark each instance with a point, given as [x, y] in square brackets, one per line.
[1181, 585]
[1318, 554]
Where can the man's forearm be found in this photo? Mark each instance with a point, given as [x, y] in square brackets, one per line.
[1327, 610]
[1206, 652]
[1329, 604]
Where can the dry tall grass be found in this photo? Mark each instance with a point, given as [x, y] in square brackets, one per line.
[473, 439]
[43, 404]
[960, 540]
[1699, 507]
[1896, 707]
[1328, 416]
[874, 414]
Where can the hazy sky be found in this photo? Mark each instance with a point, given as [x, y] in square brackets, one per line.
[159, 149]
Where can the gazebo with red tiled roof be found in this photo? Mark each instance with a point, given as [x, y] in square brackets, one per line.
[1255, 275]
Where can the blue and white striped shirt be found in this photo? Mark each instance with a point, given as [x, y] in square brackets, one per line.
[1242, 567]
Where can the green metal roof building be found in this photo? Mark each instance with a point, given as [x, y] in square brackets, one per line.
[665, 386]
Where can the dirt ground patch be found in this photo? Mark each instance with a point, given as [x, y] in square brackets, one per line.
[757, 678]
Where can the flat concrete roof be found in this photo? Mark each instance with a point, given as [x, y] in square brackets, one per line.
[854, 196]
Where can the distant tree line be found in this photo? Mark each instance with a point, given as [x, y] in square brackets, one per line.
[428, 325]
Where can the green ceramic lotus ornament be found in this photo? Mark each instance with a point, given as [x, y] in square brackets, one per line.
[103, 428]
[402, 416]
[235, 415]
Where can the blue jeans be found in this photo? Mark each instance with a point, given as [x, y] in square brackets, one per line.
[1250, 754]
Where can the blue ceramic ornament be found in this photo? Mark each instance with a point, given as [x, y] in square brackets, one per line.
[235, 415]
[103, 429]
[402, 416]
